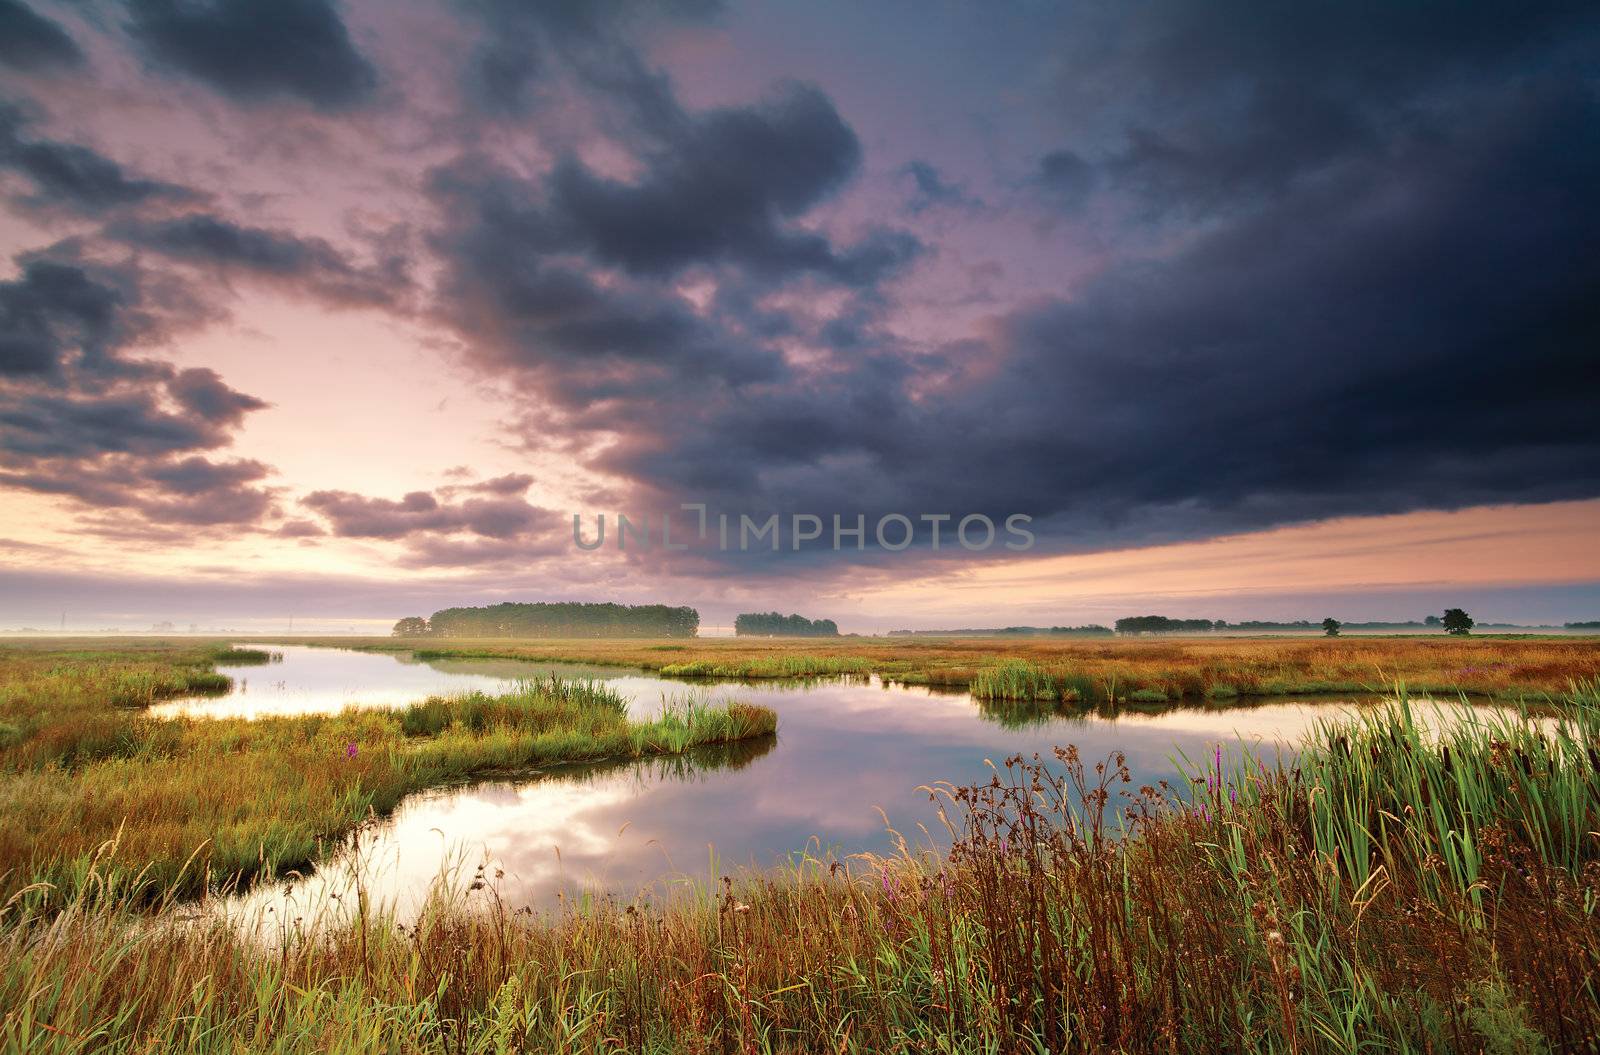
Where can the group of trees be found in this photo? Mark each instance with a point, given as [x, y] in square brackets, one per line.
[1454, 621]
[572, 619]
[774, 624]
[1160, 624]
[562, 619]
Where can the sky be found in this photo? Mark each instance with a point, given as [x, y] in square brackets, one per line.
[344, 311]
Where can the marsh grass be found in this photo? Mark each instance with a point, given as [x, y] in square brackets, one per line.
[782, 666]
[1017, 679]
[197, 802]
[1403, 885]
[1100, 670]
[234, 656]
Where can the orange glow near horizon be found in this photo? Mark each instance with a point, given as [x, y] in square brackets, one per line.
[1478, 547]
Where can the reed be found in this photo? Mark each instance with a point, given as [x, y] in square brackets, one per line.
[197, 802]
[787, 665]
[1015, 679]
[1403, 885]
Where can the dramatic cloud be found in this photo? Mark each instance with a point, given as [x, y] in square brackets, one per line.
[1412, 336]
[311, 265]
[1181, 269]
[54, 311]
[255, 52]
[522, 41]
[493, 525]
[29, 41]
[721, 188]
[357, 516]
[1401, 331]
[72, 177]
[81, 418]
[1232, 103]
[575, 281]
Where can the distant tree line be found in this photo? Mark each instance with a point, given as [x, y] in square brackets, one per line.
[1454, 621]
[774, 624]
[1592, 624]
[1160, 624]
[1091, 630]
[560, 619]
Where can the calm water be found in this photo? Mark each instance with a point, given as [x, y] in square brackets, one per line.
[843, 752]
[327, 680]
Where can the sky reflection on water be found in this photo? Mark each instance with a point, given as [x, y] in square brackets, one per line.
[843, 751]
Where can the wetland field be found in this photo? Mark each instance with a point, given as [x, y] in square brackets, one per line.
[1188, 844]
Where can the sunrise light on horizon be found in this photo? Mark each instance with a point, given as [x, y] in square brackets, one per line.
[344, 314]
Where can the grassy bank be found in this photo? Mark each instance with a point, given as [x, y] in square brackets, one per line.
[1392, 892]
[197, 802]
[1128, 670]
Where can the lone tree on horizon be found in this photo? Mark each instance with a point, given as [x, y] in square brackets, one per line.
[1330, 626]
[1457, 621]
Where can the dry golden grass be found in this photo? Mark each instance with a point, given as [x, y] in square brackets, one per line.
[198, 801]
[1389, 894]
[1177, 667]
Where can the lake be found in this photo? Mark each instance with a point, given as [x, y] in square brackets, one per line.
[844, 751]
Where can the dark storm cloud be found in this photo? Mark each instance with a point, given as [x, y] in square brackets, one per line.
[257, 52]
[589, 341]
[522, 41]
[55, 311]
[571, 278]
[931, 190]
[1366, 48]
[724, 188]
[1413, 329]
[310, 264]
[1224, 106]
[31, 42]
[1285, 133]
[1065, 179]
[72, 177]
[81, 418]
[1344, 250]
[1419, 335]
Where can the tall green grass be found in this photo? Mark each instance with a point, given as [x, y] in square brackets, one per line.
[783, 665]
[1019, 680]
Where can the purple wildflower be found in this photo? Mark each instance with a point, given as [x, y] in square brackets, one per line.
[350, 749]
